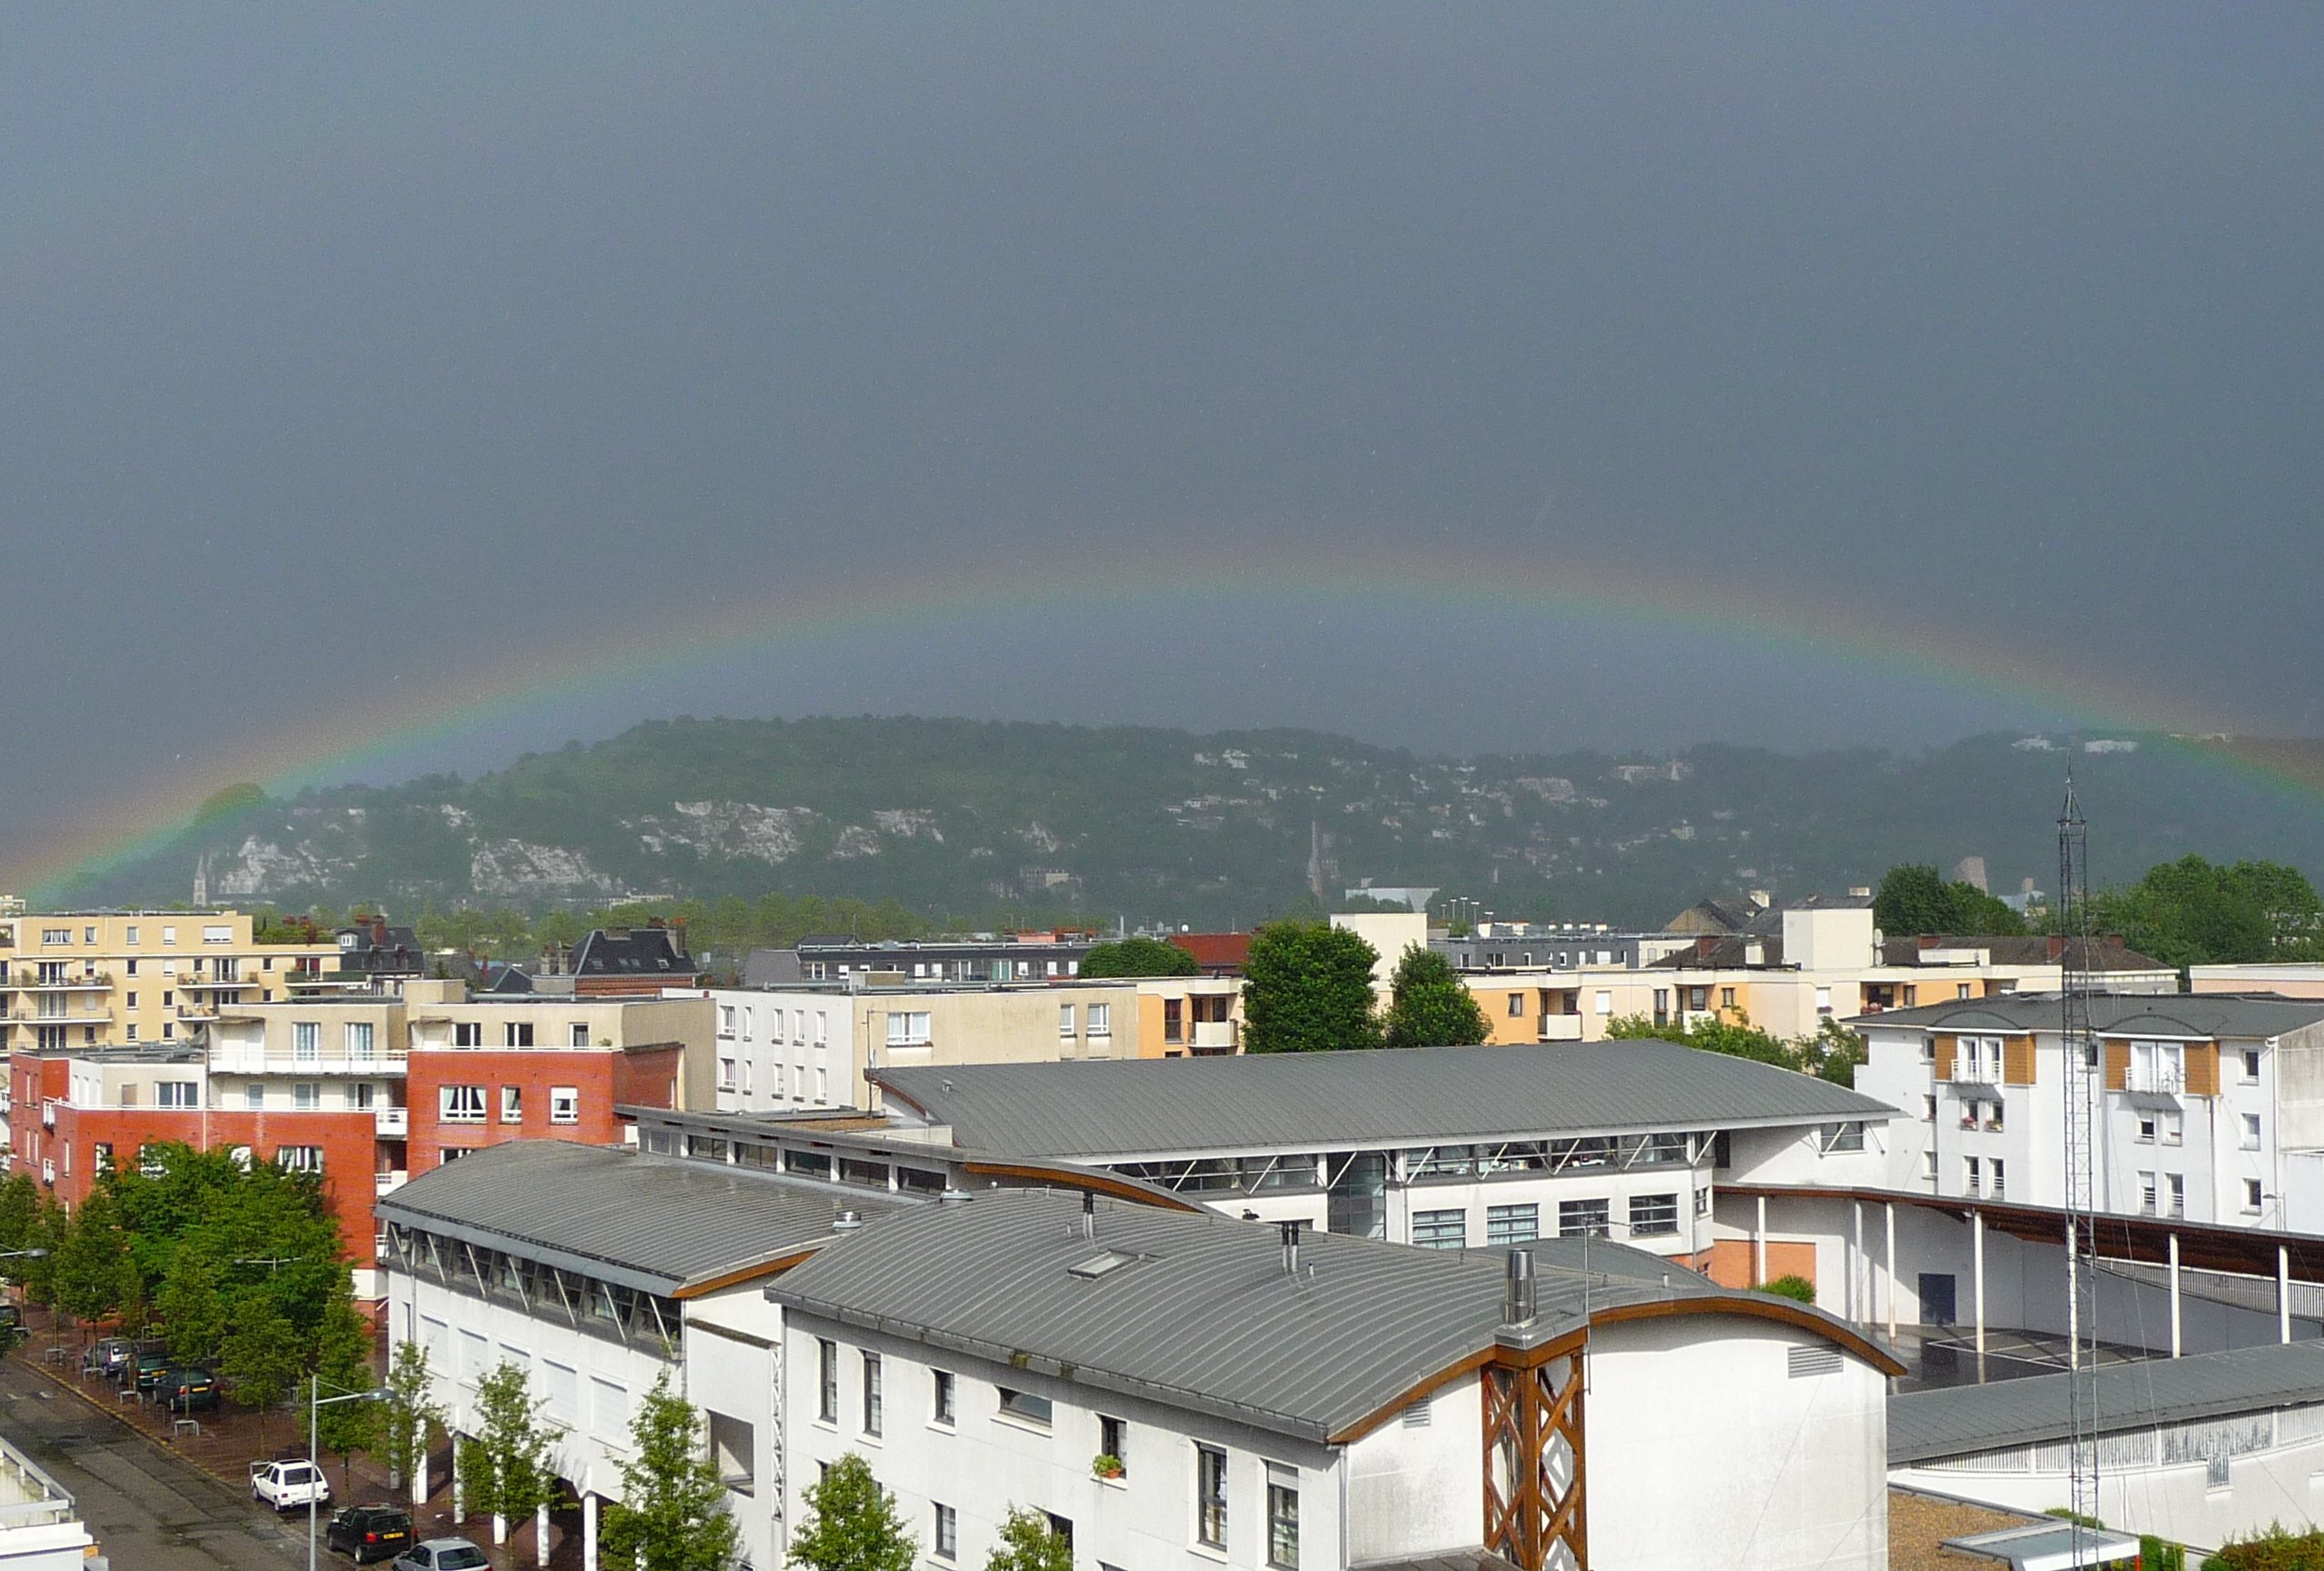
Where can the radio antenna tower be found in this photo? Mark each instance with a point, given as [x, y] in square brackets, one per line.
[2082, 1075]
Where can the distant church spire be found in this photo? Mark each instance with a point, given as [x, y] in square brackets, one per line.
[201, 880]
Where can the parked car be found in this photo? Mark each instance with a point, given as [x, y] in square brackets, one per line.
[283, 1485]
[11, 1316]
[442, 1554]
[186, 1390]
[107, 1354]
[369, 1532]
[150, 1368]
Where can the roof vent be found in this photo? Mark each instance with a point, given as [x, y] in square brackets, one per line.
[1516, 1294]
[846, 1221]
[952, 1197]
[1291, 1248]
[1088, 1214]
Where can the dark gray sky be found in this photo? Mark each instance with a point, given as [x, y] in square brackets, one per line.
[364, 349]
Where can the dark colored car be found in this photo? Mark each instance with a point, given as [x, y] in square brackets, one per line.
[151, 1368]
[371, 1532]
[11, 1316]
[186, 1390]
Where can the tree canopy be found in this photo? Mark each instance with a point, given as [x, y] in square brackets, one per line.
[1914, 899]
[1028, 1542]
[1308, 988]
[2192, 912]
[1138, 956]
[672, 1515]
[851, 1524]
[1429, 1006]
[1832, 1053]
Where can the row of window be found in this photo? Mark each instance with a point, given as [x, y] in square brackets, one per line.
[737, 1075]
[513, 1034]
[1649, 1216]
[211, 933]
[289, 1158]
[1031, 1410]
[467, 1103]
[728, 1016]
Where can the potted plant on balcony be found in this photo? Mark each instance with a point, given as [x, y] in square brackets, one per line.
[1106, 1466]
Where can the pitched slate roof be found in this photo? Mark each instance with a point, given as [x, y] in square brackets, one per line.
[1925, 1426]
[631, 951]
[2165, 1014]
[1196, 1309]
[1304, 1102]
[656, 1223]
[2027, 950]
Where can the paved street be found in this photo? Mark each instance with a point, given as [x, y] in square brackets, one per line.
[149, 1511]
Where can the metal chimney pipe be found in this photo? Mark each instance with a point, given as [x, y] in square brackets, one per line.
[1517, 1296]
[1290, 1248]
[1089, 1214]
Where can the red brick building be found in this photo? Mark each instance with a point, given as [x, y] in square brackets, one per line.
[463, 1099]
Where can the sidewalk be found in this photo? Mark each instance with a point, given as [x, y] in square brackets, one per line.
[228, 1439]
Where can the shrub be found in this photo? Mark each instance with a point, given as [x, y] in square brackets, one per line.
[1798, 1287]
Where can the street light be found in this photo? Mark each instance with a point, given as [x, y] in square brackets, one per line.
[24, 1254]
[316, 1403]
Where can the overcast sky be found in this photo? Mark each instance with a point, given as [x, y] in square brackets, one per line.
[365, 349]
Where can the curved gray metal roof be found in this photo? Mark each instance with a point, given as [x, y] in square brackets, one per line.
[1309, 1100]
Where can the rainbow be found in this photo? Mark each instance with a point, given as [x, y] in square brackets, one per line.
[1507, 591]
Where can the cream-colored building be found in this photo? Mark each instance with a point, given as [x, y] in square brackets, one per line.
[137, 978]
[810, 1046]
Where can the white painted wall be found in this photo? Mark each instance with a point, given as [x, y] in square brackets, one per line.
[732, 1366]
[1416, 1484]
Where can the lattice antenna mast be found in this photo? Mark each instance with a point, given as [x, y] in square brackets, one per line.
[2081, 1151]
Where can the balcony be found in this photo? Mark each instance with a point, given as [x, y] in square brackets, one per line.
[249, 1058]
[1561, 1028]
[2157, 1081]
[391, 1123]
[388, 1183]
[93, 981]
[1214, 1036]
[215, 983]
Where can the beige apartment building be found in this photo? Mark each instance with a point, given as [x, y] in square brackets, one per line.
[812, 1045]
[77, 980]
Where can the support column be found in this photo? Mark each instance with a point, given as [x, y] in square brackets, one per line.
[588, 1533]
[1859, 1270]
[1759, 1244]
[2283, 1292]
[2177, 1348]
[541, 1535]
[499, 1531]
[459, 1489]
[1890, 1210]
[1977, 1281]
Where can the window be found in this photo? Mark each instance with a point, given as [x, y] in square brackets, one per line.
[1507, 1225]
[132, 1001]
[132, 1032]
[169, 934]
[1282, 1517]
[2148, 1123]
[1823, 1000]
[2251, 1058]
[610, 1408]
[947, 1536]
[2251, 1132]
[1516, 1005]
[129, 968]
[360, 1094]
[130, 934]
[307, 1095]
[215, 933]
[1726, 998]
[305, 1041]
[1210, 1496]
[1441, 1229]
[1601, 1003]
[907, 1029]
[577, 1034]
[2175, 1188]
[564, 1104]
[2146, 1193]
[1113, 1440]
[1581, 1218]
[300, 1158]
[1101, 1020]
[461, 1104]
[942, 1404]
[101, 1155]
[512, 1104]
[1653, 1215]
[178, 1094]
[2252, 1196]
[2157, 1066]
[726, 1020]
[1971, 1170]
[874, 1413]
[1977, 1059]
[2174, 1128]
[516, 1034]
[57, 935]
[1998, 1187]
[254, 1096]
[1928, 1164]
[359, 1041]
[1026, 1407]
[1174, 1017]
[726, 1076]
[468, 1034]
[827, 1380]
[89, 935]
[1928, 1109]
[1064, 1020]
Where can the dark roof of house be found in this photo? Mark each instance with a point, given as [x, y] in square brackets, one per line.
[1299, 1102]
[656, 1223]
[1926, 1425]
[631, 951]
[1725, 951]
[1711, 916]
[1198, 1309]
[2198, 1016]
[1216, 950]
[2021, 948]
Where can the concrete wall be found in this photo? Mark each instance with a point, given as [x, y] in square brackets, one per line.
[733, 1368]
[1416, 1485]
[1705, 1450]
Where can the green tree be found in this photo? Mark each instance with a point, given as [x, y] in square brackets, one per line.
[1308, 988]
[506, 1468]
[1138, 956]
[19, 1216]
[851, 1524]
[1736, 1038]
[1914, 899]
[1029, 1544]
[672, 1514]
[343, 1350]
[192, 1303]
[413, 1415]
[261, 1358]
[95, 1277]
[1429, 1006]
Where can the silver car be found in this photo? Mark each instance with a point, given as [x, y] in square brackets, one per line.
[442, 1554]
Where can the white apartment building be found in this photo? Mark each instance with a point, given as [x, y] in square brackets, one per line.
[2210, 1107]
[40, 1529]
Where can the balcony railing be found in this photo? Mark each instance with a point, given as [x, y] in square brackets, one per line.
[1561, 1028]
[391, 1123]
[2158, 1082]
[1213, 1035]
[90, 981]
[388, 1183]
[236, 1058]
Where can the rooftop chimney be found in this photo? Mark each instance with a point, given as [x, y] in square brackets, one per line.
[1516, 1295]
[848, 1222]
[1290, 1248]
[1088, 1214]
[2057, 946]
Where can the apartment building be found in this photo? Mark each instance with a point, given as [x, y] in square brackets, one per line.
[1048, 955]
[1272, 1400]
[2207, 1105]
[2292, 979]
[104, 978]
[813, 1045]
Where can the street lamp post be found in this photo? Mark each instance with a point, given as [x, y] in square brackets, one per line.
[316, 1403]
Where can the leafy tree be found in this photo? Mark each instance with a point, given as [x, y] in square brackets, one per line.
[192, 1303]
[672, 1514]
[1429, 1006]
[506, 1468]
[94, 1276]
[19, 1215]
[1833, 1053]
[343, 1349]
[2276, 1549]
[411, 1416]
[2192, 912]
[38, 1273]
[260, 1359]
[1308, 988]
[1138, 956]
[1029, 1544]
[851, 1524]
[1914, 899]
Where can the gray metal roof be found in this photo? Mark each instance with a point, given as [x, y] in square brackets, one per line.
[656, 1223]
[1925, 1425]
[1305, 1102]
[2166, 1014]
[1202, 1313]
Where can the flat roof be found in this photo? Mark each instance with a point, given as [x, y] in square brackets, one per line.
[2163, 1014]
[1196, 1309]
[1121, 1108]
[656, 1223]
[1956, 1421]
